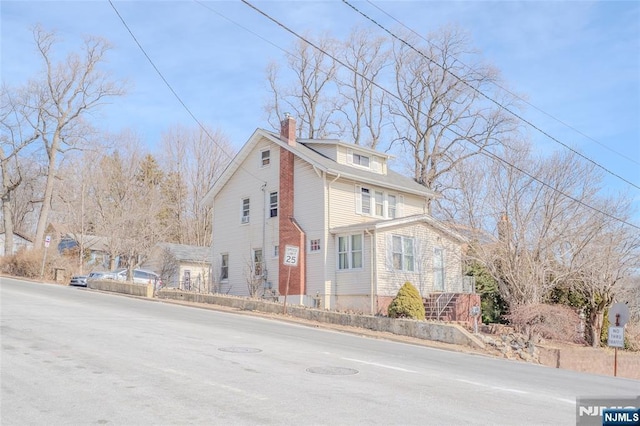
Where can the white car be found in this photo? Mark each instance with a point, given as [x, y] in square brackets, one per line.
[140, 276]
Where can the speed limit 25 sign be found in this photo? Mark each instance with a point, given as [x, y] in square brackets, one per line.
[291, 255]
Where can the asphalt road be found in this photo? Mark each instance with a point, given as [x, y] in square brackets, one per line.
[75, 356]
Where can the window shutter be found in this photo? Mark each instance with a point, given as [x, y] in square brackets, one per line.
[375, 164]
[388, 261]
[358, 196]
[400, 206]
[349, 156]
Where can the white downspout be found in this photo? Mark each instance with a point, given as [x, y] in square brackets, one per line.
[335, 270]
[374, 269]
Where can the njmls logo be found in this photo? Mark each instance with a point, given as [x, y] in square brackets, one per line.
[590, 410]
[599, 411]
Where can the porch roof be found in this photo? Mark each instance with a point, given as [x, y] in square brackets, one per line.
[383, 224]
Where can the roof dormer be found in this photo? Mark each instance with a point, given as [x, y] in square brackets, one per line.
[356, 156]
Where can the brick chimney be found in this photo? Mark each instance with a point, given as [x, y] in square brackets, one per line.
[290, 232]
[288, 130]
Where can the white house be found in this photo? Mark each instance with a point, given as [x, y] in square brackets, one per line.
[361, 229]
[181, 266]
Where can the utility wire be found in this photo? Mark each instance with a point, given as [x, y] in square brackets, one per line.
[490, 99]
[310, 43]
[175, 94]
[515, 95]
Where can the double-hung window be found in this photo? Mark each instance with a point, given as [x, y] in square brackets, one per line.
[438, 269]
[224, 267]
[391, 206]
[365, 200]
[273, 204]
[350, 251]
[403, 253]
[257, 262]
[379, 199]
[265, 157]
[245, 210]
[361, 160]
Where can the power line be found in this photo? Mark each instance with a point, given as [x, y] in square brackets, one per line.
[310, 43]
[175, 94]
[512, 93]
[490, 99]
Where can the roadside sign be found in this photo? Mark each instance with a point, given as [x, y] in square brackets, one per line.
[291, 255]
[616, 337]
[619, 314]
[47, 240]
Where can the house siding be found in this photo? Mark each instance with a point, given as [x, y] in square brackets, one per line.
[313, 202]
[309, 212]
[344, 196]
[236, 239]
[426, 240]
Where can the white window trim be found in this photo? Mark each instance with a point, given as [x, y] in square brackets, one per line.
[224, 280]
[349, 253]
[319, 243]
[262, 165]
[390, 253]
[443, 267]
[257, 272]
[245, 219]
[277, 204]
[373, 204]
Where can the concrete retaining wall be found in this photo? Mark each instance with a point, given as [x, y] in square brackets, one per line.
[446, 333]
[144, 290]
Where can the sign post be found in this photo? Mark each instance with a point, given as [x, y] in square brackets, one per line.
[47, 242]
[618, 315]
[290, 259]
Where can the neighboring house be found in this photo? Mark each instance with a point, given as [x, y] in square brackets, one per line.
[95, 249]
[362, 229]
[181, 266]
[20, 241]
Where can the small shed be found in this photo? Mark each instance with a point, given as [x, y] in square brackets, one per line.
[181, 266]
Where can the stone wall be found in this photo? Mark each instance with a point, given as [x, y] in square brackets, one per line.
[440, 332]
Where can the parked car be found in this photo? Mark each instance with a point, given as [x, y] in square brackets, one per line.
[79, 280]
[96, 276]
[140, 276]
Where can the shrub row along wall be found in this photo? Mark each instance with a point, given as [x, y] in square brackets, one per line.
[446, 333]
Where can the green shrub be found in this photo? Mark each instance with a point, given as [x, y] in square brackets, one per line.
[407, 303]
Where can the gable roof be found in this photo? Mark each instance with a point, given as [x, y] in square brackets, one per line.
[383, 224]
[187, 253]
[303, 150]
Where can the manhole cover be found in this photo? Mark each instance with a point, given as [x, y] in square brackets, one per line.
[332, 371]
[240, 350]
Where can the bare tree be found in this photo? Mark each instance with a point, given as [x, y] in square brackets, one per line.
[311, 97]
[169, 267]
[603, 262]
[13, 140]
[193, 159]
[363, 109]
[65, 94]
[126, 190]
[440, 115]
[254, 274]
[538, 218]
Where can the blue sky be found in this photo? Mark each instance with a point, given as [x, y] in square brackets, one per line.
[578, 62]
